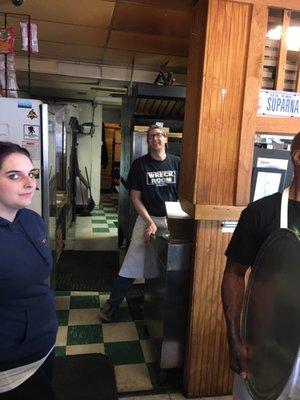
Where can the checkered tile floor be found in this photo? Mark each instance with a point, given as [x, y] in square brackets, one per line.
[96, 232]
[81, 330]
[125, 341]
[103, 219]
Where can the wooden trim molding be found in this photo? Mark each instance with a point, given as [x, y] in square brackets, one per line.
[278, 125]
[298, 76]
[280, 75]
[210, 212]
[252, 86]
[285, 4]
[217, 212]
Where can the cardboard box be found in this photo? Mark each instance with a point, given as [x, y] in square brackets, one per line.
[117, 136]
[117, 152]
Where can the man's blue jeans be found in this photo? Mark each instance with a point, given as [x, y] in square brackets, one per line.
[120, 289]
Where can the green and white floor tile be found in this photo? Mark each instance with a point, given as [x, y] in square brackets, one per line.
[125, 341]
[103, 219]
[95, 232]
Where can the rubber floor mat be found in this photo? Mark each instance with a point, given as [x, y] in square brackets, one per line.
[84, 377]
[87, 270]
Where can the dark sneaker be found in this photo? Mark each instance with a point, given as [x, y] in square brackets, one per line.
[107, 311]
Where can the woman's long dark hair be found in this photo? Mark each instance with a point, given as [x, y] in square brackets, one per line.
[8, 148]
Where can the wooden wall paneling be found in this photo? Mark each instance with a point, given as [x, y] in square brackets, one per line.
[207, 363]
[190, 142]
[228, 36]
[288, 4]
[281, 67]
[250, 102]
[210, 118]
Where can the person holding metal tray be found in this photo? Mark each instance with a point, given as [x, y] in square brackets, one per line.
[263, 323]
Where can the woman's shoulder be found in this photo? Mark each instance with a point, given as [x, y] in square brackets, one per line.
[28, 215]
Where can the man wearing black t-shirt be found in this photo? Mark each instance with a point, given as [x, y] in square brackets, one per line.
[256, 223]
[152, 180]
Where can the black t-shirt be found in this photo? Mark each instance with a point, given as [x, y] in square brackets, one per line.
[156, 180]
[256, 223]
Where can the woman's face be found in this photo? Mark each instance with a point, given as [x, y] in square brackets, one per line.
[17, 182]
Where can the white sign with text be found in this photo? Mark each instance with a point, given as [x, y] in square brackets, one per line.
[280, 104]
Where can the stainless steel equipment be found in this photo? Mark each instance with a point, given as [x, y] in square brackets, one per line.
[167, 273]
[271, 315]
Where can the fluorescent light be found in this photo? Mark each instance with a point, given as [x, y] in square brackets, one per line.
[293, 36]
[275, 33]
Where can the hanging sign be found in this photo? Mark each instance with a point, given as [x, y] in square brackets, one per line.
[280, 104]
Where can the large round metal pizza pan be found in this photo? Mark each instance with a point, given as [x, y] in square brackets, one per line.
[271, 315]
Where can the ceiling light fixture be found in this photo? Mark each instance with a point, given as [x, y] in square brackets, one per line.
[17, 2]
[293, 38]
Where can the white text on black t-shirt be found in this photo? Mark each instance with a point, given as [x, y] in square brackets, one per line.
[160, 178]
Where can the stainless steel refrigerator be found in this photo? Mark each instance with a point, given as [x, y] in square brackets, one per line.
[28, 123]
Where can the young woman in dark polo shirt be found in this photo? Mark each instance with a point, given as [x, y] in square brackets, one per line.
[28, 323]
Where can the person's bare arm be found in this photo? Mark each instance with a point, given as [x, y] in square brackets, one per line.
[233, 288]
[141, 210]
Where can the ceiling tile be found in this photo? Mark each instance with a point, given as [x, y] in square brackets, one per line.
[67, 52]
[36, 76]
[56, 84]
[171, 63]
[172, 4]
[110, 83]
[64, 33]
[95, 13]
[177, 62]
[67, 34]
[151, 60]
[62, 93]
[145, 19]
[118, 57]
[148, 43]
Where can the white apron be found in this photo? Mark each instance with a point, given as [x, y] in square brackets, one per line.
[134, 262]
[292, 388]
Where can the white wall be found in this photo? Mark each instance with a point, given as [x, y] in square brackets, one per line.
[89, 149]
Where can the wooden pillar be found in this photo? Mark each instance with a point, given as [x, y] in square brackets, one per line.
[219, 60]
